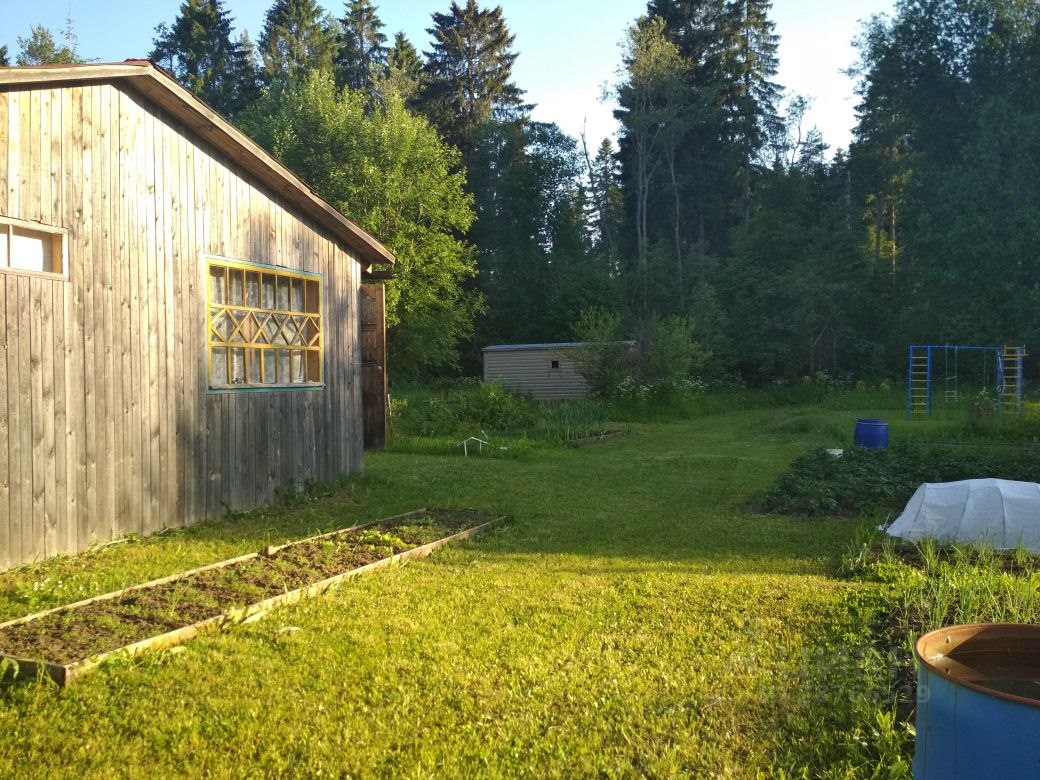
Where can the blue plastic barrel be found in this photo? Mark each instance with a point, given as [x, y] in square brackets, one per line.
[978, 702]
[871, 432]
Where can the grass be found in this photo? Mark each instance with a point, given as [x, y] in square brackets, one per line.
[925, 587]
[631, 619]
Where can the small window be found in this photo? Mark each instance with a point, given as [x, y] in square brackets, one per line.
[265, 327]
[31, 247]
[554, 364]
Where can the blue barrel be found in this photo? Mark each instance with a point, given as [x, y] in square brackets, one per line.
[978, 702]
[871, 432]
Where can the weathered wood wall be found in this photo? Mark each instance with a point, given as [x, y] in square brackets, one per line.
[106, 423]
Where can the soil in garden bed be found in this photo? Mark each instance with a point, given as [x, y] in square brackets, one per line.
[75, 633]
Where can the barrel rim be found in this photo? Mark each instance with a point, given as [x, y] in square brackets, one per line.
[1017, 628]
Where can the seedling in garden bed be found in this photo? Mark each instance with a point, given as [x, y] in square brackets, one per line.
[67, 641]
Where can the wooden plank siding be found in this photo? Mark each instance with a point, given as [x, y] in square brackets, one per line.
[528, 370]
[107, 422]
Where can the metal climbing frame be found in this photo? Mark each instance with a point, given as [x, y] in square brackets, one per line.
[1008, 375]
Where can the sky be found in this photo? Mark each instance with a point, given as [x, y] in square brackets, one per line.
[569, 50]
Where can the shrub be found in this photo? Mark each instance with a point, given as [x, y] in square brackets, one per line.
[867, 481]
[462, 407]
[666, 361]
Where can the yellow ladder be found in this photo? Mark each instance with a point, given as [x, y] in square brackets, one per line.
[1014, 358]
[920, 381]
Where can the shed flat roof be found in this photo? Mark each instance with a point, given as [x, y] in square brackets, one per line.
[559, 345]
[161, 88]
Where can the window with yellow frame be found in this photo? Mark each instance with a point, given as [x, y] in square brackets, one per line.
[265, 326]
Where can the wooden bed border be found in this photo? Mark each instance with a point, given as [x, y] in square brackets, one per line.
[63, 674]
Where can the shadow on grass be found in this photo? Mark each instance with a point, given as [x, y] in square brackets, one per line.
[666, 494]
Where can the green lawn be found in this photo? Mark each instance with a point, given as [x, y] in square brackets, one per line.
[631, 619]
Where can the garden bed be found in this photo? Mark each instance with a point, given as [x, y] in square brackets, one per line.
[865, 481]
[70, 640]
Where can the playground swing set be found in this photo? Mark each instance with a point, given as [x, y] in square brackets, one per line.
[924, 359]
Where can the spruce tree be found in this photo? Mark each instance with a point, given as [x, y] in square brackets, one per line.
[362, 53]
[297, 38]
[245, 72]
[751, 97]
[4, 61]
[40, 48]
[198, 50]
[469, 71]
[404, 71]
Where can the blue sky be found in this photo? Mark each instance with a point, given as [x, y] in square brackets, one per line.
[569, 49]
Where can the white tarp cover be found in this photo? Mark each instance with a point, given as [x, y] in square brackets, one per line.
[999, 512]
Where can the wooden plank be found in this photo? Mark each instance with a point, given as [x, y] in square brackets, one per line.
[296, 258]
[104, 525]
[89, 508]
[241, 403]
[165, 192]
[306, 426]
[65, 673]
[197, 350]
[125, 391]
[14, 152]
[330, 423]
[178, 366]
[72, 163]
[46, 480]
[204, 440]
[130, 125]
[72, 190]
[59, 304]
[14, 422]
[37, 415]
[57, 130]
[6, 558]
[59, 293]
[23, 399]
[5, 100]
[29, 161]
[149, 194]
[42, 135]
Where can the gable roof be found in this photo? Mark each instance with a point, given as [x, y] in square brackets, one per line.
[162, 89]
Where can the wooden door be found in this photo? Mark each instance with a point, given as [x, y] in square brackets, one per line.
[373, 365]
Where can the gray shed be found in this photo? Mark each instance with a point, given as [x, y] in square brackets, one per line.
[549, 372]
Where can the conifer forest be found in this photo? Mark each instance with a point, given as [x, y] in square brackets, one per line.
[717, 219]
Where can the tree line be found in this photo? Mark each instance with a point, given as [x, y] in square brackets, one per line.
[717, 217]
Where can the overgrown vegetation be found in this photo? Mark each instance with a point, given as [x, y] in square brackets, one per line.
[451, 411]
[865, 481]
[925, 587]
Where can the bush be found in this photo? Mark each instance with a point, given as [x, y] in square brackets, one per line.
[665, 362]
[454, 410]
[462, 407]
[867, 481]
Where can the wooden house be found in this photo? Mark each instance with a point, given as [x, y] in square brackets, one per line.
[179, 313]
